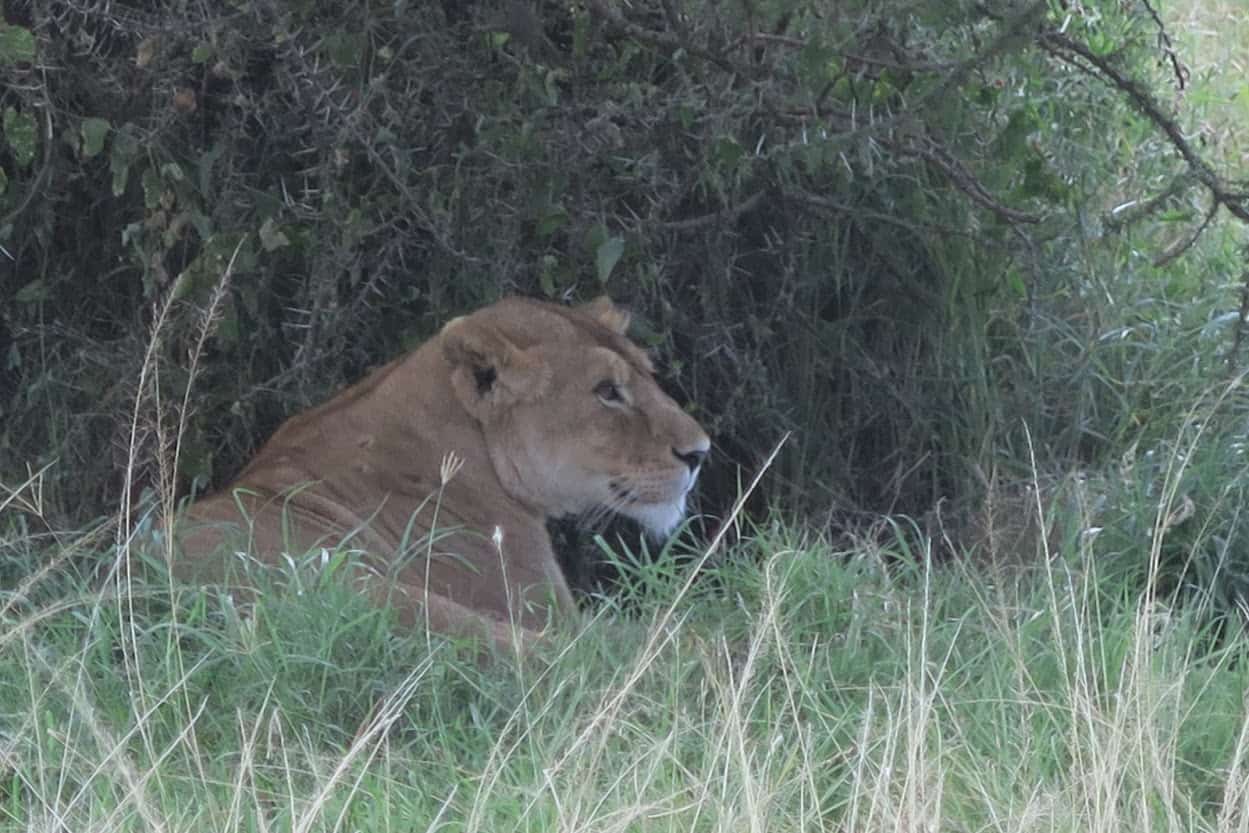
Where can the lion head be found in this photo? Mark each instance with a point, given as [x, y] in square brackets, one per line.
[441, 468]
[570, 411]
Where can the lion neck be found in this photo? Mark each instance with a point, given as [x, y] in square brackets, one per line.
[447, 447]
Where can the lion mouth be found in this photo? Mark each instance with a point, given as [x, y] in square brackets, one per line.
[659, 517]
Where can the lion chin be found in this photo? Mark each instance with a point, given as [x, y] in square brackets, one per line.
[438, 471]
[659, 520]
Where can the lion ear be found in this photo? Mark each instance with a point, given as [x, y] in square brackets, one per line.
[603, 310]
[489, 372]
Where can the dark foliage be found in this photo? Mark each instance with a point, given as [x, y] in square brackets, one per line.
[832, 218]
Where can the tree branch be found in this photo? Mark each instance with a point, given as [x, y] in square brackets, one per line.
[963, 179]
[1181, 71]
[1184, 244]
[615, 21]
[727, 214]
[1080, 56]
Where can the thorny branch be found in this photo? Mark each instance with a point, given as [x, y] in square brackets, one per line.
[725, 215]
[1164, 41]
[1224, 194]
[925, 148]
[1022, 25]
[615, 21]
[1183, 245]
[1080, 56]
[962, 178]
[1120, 217]
[1239, 336]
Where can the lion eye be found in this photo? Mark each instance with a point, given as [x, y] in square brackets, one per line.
[608, 392]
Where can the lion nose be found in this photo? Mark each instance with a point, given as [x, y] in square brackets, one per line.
[692, 458]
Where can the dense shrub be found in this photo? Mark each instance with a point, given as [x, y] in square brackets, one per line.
[869, 223]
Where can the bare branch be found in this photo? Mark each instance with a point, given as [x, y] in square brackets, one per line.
[1241, 319]
[724, 215]
[964, 180]
[1164, 40]
[1184, 244]
[1133, 212]
[616, 21]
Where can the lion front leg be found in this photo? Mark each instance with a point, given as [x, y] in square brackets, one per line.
[417, 606]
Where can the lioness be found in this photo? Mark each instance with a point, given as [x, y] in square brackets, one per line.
[548, 411]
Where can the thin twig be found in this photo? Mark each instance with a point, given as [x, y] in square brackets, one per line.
[1168, 48]
[1133, 212]
[1080, 56]
[1241, 320]
[1185, 244]
[964, 180]
[724, 215]
[616, 22]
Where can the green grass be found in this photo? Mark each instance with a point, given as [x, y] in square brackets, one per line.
[1214, 38]
[794, 688]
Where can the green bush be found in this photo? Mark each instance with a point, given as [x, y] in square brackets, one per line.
[883, 227]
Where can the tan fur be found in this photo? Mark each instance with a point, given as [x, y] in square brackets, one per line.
[550, 410]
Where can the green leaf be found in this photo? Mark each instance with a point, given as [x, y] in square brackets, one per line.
[580, 35]
[550, 85]
[228, 326]
[201, 53]
[124, 150]
[33, 292]
[1016, 283]
[1013, 137]
[94, 131]
[817, 63]
[131, 232]
[546, 279]
[19, 134]
[346, 49]
[271, 237]
[607, 256]
[204, 167]
[202, 275]
[726, 153]
[1101, 44]
[552, 221]
[1176, 215]
[153, 188]
[17, 45]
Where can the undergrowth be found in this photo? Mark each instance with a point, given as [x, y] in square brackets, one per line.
[792, 686]
[897, 230]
